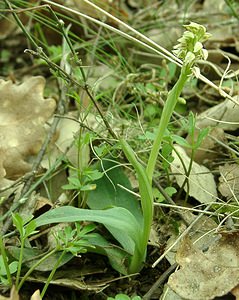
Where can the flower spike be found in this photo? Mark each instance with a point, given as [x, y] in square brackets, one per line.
[190, 47]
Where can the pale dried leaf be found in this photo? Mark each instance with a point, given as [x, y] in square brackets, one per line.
[235, 292]
[68, 137]
[202, 185]
[219, 37]
[224, 115]
[229, 180]
[199, 232]
[13, 295]
[4, 184]
[36, 295]
[169, 294]
[76, 280]
[7, 26]
[87, 9]
[68, 130]
[210, 274]
[209, 147]
[23, 113]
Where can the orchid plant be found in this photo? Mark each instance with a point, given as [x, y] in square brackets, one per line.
[123, 225]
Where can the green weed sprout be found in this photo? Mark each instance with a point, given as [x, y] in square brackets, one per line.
[124, 297]
[132, 235]
[6, 268]
[74, 241]
[70, 240]
[26, 228]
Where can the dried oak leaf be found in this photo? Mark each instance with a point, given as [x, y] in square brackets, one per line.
[229, 180]
[23, 113]
[210, 274]
[13, 295]
[235, 292]
[202, 184]
[224, 115]
[36, 295]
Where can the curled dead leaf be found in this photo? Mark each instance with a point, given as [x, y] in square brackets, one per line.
[202, 185]
[235, 292]
[209, 274]
[13, 295]
[23, 113]
[7, 26]
[224, 115]
[209, 147]
[36, 295]
[229, 180]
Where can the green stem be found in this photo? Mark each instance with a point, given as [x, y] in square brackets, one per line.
[146, 196]
[34, 267]
[4, 257]
[169, 106]
[52, 274]
[19, 266]
[19, 23]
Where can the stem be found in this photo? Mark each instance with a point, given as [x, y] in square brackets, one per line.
[146, 197]
[169, 106]
[34, 267]
[52, 274]
[4, 257]
[19, 266]
[19, 23]
[137, 260]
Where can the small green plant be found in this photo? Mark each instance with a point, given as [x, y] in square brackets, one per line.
[124, 297]
[26, 227]
[132, 233]
[82, 182]
[69, 240]
[74, 241]
[193, 142]
[6, 270]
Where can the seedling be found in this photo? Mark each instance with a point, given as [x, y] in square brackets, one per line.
[124, 297]
[69, 240]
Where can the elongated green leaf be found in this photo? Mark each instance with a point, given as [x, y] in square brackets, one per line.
[145, 190]
[117, 256]
[117, 217]
[31, 256]
[109, 194]
[146, 196]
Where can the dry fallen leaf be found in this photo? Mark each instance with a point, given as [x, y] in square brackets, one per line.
[36, 296]
[109, 6]
[13, 295]
[229, 180]
[23, 113]
[169, 294]
[7, 27]
[209, 274]
[235, 292]
[224, 115]
[209, 148]
[202, 185]
[68, 139]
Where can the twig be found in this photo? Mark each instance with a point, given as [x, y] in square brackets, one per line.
[183, 234]
[160, 281]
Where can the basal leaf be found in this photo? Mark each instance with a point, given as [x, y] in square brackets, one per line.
[118, 218]
[108, 193]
